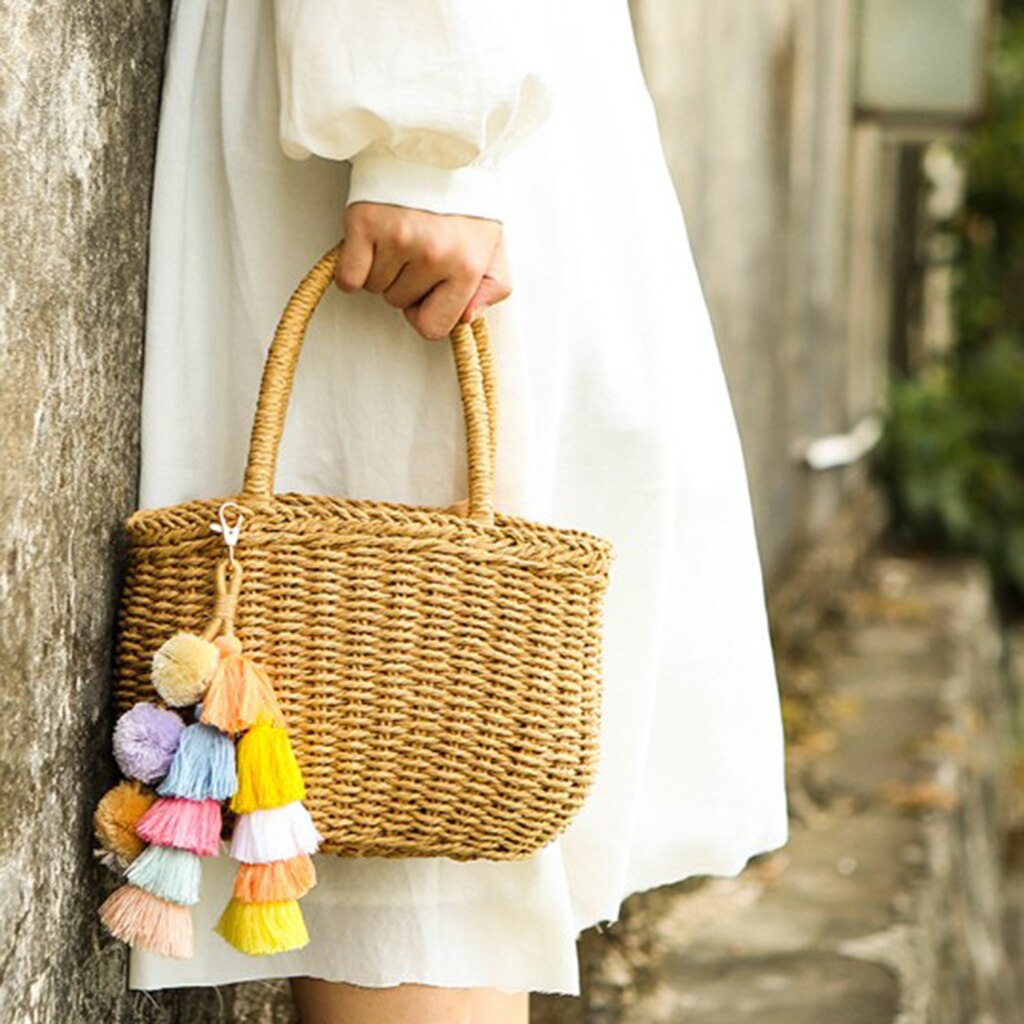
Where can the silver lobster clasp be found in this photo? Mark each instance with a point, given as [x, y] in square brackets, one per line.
[230, 532]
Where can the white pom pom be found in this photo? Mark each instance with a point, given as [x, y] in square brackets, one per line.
[182, 668]
[277, 834]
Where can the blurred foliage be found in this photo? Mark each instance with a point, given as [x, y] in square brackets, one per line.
[952, 456]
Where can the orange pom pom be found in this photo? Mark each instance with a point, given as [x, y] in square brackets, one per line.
[240, 692]
[116, 816]
[276, 881]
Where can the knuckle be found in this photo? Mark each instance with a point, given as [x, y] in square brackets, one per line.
[400, 233]
[434, 253]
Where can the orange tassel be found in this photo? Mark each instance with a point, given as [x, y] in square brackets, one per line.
[240, 692]
[276, 881]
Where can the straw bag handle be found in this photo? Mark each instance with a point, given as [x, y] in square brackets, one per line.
[473, 364]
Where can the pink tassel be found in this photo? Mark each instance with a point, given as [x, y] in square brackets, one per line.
[184, 824]
[148, 922]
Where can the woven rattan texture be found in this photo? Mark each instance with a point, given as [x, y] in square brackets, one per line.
[440, 669]
[441, 679]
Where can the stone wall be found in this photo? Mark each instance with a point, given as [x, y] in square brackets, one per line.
[78, 103]
[789, 204]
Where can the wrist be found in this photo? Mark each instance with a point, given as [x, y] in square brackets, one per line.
[378, 176]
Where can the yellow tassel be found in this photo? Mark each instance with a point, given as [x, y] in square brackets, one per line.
[261, 929]
[268, 774]
[240, 693]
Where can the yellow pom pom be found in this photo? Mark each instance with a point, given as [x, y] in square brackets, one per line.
[261, 929]
[182, 668]
[268, 774]
[116, 815]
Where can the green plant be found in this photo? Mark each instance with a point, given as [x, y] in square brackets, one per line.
[952, 456]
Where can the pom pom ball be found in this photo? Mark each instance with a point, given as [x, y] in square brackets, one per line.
[182, 668]
[116, 816]
[145, 740]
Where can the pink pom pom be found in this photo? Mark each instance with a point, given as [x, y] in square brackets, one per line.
[184, 824]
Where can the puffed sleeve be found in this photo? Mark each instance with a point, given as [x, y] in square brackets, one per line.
[424, 97]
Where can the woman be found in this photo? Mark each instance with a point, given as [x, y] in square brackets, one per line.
[470, 151]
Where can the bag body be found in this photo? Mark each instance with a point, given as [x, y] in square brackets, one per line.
[440, 669]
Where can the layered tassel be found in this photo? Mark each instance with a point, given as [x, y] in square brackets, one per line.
[261, 929]
[268, 774]
[192, 825]
[279, 880]
[203, 767]
[279, 834]
[194, 769]
[240, 692]
[148, 922]
[169, 873]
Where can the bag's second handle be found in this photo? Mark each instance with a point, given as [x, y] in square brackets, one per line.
[473, 364]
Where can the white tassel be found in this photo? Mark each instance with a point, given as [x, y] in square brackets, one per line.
[277, 834]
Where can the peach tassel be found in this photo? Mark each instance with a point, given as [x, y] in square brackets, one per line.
[240, 692]
[148, 922]
[279, 880]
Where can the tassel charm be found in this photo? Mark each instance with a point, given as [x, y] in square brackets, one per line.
[240, 693]
[274, 882]
[182, 668]
[117, 814]
[145, 741]
[168, 873]
[237, 749]
[148, 922]
[261, 929]
[192, 825]
[203, 767]
[268, 774]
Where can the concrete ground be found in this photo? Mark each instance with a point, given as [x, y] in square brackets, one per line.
[898, 898]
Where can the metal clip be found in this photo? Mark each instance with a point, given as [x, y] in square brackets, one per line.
[228, 531]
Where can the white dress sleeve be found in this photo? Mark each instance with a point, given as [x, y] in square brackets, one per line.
[424, 97]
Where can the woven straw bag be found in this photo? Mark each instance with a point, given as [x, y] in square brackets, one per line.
[439, 668]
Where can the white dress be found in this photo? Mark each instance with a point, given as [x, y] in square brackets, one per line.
[614, 418]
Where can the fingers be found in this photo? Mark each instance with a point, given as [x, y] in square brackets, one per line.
[354, 262]
[490, 293]
[436, 268]
[437, 314]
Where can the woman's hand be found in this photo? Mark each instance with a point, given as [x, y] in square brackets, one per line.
[437, 268]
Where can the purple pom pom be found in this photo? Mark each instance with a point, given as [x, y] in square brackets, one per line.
[145, 739]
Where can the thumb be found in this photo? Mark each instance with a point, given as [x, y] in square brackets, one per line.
[489, 292]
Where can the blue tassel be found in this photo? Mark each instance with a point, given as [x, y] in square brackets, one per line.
[168, 873]
[203, 767]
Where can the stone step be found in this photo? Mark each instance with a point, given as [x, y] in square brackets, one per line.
[889, 905]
